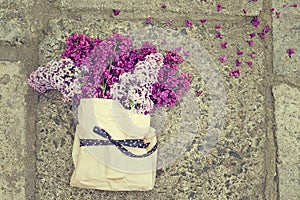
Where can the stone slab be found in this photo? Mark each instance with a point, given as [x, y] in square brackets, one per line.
[287, 116]
[13, 89]
[286, 34]
[194, 9]
[233, 169]
[15, 21]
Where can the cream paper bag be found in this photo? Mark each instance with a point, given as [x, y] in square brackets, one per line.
[114, 148]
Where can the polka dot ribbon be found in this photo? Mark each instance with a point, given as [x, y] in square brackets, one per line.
[138, 143]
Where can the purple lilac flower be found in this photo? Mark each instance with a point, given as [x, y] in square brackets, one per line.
[284, 5]
[252, 35]
[78, 47]
[218, 35]
[252, 55]
[239, 52]
[218, 26]
[266, 29]
[203, 21]
[272, 10]
[224, 45]
[198, 93]
[238, 62]
[235, 73]
[163, 6]
[148, 20]
[134, 88]
[250, 63]
[169, 22]
[116, 12]
[262, 35]
[101, 71]
[244, 11]
[295, 5]
[219, 7]
[278, 14]
[255, 21]
[290, 52]
[250, 42]
[223, 59]
[188, 23]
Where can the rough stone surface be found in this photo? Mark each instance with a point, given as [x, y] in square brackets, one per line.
[193, 9]
[13, 89]
[286, 34]
[287, 109]
[15, 21]
[224, 173]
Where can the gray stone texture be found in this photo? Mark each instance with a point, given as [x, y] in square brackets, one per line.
[192, 9]
[286, 34]
[15, 21]
[287, 115]
[13, 89]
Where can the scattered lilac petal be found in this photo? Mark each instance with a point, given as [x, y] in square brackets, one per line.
[284, 5]
[218, 35]
[262, 35]
[244, 11]
[235, 73]
[169, 22]
[163, 6]
[219, 7]
[223, 59]
[295, 5]
[224, 45]
[186, 53]
[116, 12]
[250, 63]
[148, 20]
[252, 55]
[238, 62]
[272, 10]
[251, 43]
[255, 21]
[203, 21]
[266, 29]
[252, 35]
[188, 23]
[198, 93]
[278, 14]
[218, 26]
[239, 52]
[290, 52]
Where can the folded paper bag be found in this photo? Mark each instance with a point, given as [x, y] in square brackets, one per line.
[114, 148]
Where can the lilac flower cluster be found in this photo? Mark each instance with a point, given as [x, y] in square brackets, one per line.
[140, 79]
[78, 46]
[57, 75]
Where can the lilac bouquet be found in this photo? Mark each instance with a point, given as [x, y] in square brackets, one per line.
[140, 79]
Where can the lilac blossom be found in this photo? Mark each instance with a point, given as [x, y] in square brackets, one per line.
[235, 73]
[252, 55]
[223, 59]
[163, 6]
[290, 52]
[219, 7]
[239, 52]
[218, 35]
[57, 75]
[148, 20]
[218, 26]
[278, 14]
[250, 63]
[238, 62]
[78, 47]
[295, 5]
[188, 23]
[252, 35]
[116, 12]
[198, 93]
[224, 45]
[203, 21]
[250, 42]
[255, 21]
[244, 11]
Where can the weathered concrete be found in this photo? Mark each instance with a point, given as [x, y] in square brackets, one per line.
[287, 109]
[13, 89]
[15, 21]
[195, 9]
[286, 33]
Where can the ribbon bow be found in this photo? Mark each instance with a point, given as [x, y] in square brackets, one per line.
[138, 143]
